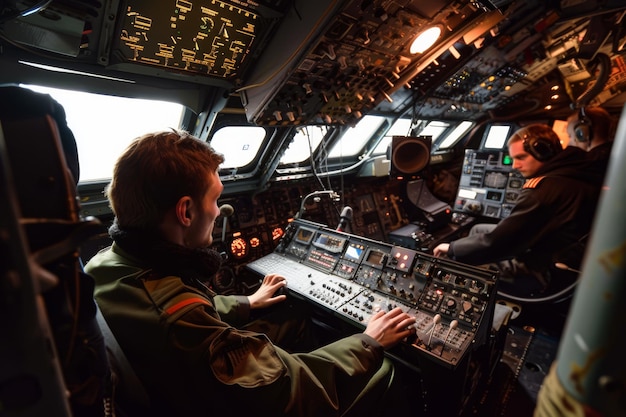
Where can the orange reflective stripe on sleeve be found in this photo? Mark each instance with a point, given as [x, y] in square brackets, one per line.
[173, 309]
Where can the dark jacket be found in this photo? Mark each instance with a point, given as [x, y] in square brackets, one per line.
[553, 212]
[185, 345]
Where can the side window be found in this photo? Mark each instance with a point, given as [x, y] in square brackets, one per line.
[401, 127]
[104, 126]
[238, 144]
[305, 141]
[453, 137]
[354, 139]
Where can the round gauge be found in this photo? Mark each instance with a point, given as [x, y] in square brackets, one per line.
[239, 248]
[277, 233]
[255, 242]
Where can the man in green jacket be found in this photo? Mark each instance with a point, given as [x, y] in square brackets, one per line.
[193, 350]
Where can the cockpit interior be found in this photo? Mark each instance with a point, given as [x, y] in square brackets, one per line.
[357, 136]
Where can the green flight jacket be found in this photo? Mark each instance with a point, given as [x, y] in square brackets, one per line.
[192, 360]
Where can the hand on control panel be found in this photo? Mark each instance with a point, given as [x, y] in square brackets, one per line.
[389, 328]
[441, 249]
[269, 292]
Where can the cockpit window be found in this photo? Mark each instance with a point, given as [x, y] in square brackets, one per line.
[304, 143]
[453, 137]
[354, 139]
[104, 126]
[401, 127]
[434, 129]
[238, 144]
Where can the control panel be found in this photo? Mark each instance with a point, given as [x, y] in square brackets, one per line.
[360, 58]
[354, 277]
[211, 40]
[488, 186]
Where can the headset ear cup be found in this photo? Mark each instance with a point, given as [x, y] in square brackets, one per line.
[541, 149]
[582, 131]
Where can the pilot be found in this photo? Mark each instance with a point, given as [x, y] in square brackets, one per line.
[197, 352]
[549, 223]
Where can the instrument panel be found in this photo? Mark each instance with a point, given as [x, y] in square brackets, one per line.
[212, 39]
[354, 277]
[488, 186]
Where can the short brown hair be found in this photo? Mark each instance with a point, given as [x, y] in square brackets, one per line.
[154, 172]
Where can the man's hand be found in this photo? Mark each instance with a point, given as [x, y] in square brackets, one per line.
[441, 249]
[264, 296]
[390, 328]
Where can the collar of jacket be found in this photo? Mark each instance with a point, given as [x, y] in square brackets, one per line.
[166, 258]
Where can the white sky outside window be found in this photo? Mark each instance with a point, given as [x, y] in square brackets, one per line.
[238, 144]
[434, 129]
[299, 148]
[455, 135]
[354, 139]
[104, 126]
[399, 128]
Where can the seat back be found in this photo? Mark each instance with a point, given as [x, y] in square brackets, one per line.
[47, 300]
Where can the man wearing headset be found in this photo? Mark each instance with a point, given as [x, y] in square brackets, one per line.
[552, 216]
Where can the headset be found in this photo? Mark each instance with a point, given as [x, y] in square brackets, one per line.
[583, 129]
[541, 147]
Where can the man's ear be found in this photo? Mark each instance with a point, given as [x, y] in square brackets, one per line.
[184, 212]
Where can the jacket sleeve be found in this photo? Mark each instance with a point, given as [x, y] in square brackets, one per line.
[532, 217]
[262, 378]
[233, 309]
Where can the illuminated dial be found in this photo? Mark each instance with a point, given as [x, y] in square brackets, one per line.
[277, 233]
[239, 248]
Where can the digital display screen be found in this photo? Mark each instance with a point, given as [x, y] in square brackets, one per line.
[492, 211]
[495, 179]
[375, 257]
[516, 183]
[494, 196]
[497, 136]
[353, 252]
[329, 242]
[304, 235]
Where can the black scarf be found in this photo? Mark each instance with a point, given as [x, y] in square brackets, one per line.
[166, 258]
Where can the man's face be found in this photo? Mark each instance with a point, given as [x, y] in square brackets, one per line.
[524, 162]
[205, 212]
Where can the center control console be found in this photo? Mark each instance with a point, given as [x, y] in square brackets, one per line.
[353, 277]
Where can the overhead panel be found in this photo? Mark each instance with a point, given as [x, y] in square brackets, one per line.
[357, 61]
[211, 40]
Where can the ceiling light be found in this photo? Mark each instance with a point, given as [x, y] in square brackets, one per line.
[425, 40]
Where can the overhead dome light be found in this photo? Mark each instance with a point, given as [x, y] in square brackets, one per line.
[425, 40]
